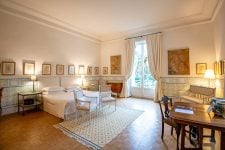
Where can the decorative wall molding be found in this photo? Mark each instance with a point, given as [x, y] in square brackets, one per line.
[21, 11]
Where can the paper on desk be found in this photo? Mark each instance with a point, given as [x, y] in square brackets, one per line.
[184, 110]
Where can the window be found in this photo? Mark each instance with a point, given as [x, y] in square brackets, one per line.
[141, 77]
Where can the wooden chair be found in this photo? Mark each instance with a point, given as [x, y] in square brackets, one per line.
[167, 119]
[105, 95]
[1, 91]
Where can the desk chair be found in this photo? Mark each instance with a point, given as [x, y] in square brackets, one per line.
[167, 119]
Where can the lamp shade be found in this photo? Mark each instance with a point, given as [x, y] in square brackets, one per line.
[209, 74]
[33, 78]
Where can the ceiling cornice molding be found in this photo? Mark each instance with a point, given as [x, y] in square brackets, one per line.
[217, 9]
[21, 11]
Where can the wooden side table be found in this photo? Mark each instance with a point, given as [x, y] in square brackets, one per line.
[36, 97]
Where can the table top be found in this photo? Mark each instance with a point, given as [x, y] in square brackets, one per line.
[29, 93]
[200, 115]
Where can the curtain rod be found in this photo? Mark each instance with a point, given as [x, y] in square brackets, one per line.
[142, 35]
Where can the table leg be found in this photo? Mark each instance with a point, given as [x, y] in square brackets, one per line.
[222, 139]
[182, 136]
[18, 103]
[200, 137]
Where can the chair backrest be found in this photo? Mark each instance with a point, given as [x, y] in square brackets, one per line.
[104, 88]
[165, 101]
[78, 93]
[104, 91]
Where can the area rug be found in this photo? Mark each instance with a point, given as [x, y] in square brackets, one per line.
[101, 127]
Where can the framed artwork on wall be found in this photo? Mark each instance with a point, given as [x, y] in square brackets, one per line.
[115, 63]
[71, 70]
[178, 62]
[59, 69]
[8, 68]
[28, 68]
[201, 68]
[96, 70]
[105, 70]
[46, 69]
[89, 70]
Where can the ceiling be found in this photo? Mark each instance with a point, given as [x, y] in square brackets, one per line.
[105, 20]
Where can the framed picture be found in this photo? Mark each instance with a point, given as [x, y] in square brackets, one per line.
[59, 69]
[28, 68]
[96, 70]
[46, 69]
[71, 70]
[201, 68]
[89, 70]
[8, 68]
[105, 70]
[115, 62]
[178, 62]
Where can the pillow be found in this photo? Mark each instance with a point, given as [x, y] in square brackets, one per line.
[53, 89]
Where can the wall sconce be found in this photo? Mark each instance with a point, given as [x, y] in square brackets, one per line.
[33, 78]
[209, 74]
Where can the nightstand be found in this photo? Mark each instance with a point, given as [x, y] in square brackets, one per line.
[29, 99]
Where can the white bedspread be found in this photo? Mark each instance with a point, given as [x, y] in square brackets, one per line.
[61, 104]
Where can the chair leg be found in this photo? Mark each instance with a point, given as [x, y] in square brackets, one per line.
[171, 130]
[162, 130]
[212, 138]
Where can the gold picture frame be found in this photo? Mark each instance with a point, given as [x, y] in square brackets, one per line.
[115, 63]
[28, 68]
[8, 68]
[201, 68]
[59, 69]
[71, 70]
[178, 62]
[89, 70]
[105, 70]
[96, 70]
[46, 69]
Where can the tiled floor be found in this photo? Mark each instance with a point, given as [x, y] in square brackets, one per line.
[35, 131]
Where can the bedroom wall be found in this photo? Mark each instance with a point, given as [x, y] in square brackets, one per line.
[219, 40]
[199, 40]
[21, 40]
[25, 40]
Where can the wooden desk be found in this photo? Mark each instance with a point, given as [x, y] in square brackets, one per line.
[200, 118]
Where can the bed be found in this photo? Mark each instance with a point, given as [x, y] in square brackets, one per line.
[59, 100]
[61, 104]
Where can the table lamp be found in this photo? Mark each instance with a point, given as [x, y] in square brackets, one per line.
[209, 74]
[33, 78]
[81, 72]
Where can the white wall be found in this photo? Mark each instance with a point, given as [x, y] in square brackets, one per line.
[219, 33]
[199, 40]
[25, 40]
[111, 48]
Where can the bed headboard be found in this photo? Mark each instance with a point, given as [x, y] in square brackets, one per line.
[48, 82]
[69, 80]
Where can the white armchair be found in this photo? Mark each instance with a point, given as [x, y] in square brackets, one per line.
[105, 95]
[82, 102]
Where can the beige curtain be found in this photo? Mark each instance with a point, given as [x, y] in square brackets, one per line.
[154, 49]
[130, 48]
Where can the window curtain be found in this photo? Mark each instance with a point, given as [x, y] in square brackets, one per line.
[154, 50]
[130, 48]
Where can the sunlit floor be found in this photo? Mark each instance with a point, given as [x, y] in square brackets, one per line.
[35, 131]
